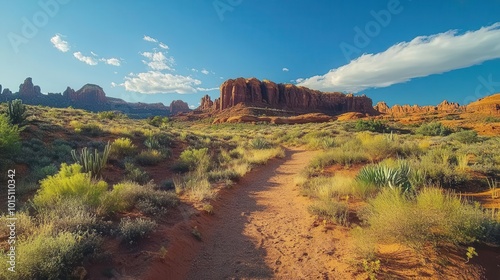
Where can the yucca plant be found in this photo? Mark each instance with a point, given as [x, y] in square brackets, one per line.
[93, 163]
[381, 175]
[17, 112]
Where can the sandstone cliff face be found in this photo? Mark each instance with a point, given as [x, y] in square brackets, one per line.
[179, 106]
[253, 92]
[206, 103]
[28, 90]
[88, 94]
[486, 105]
[399, 110]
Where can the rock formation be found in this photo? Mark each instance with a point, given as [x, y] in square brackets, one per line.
[400, 110]
[206, 103]
[89, 94]
[179, 106]
[253, 92]
[486, 105]
[28, 90]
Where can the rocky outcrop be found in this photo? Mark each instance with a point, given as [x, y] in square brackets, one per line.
[488, 105]
[401, 110]
[206, 103]
[307, 118]
[256, 93]
[179, 106]
[28, 90]
[89, 94]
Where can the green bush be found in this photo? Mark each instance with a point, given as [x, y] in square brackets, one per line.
[260, 143]
[50, 256]
[433, 129]
[340, 156]
[9, 137]
[157, 121]
[92, 163]
[90, 129]
[122, 147]
[110, 115]
[135, 174]
[16, 112]
[333, 210]
[465, 136]
[149, 157]
[431, 217]
[70, 182]
[133, 230]
[195, 159]
[371, 125]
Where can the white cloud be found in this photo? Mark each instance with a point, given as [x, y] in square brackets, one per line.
[111, 61]
[194, 70]
[205, 71]
[421, 57]
[163, 46]
[149, 39]
[87, 59]
[59, 43]
[156, 82]
[113, 84]
[207, 89]
[158, 61]
[94, 54]
[285, 69]
[192, 106]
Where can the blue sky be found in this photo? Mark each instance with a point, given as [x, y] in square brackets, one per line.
[417, 52]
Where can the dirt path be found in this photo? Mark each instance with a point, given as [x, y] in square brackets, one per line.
[265, 231]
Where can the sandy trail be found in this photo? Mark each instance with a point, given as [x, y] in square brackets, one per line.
[265, 231]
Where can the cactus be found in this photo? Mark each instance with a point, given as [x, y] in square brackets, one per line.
[17, 112]
[92, 163]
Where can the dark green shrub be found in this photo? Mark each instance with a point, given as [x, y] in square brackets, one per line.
[465, 136]
[157, 121]
[133, 230]
[371, 125]
[433, 129]
[111, 115]
[260, 144]
[149, 157]
[9, 137]
[135, 174]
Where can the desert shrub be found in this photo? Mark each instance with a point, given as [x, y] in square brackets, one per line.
[371, 125]
[50, 256]
[91, 129]
[433, 129]
[92, 163]
[9, 137]
[324, 187]
[43, 172]
[110, 115]
[221, 174]
[432, 217]
[70, 214]
[336, 211]
[122, 147]
[260, 143]
[377, 147]
[261, 156]
[195, 185]
[67, 183]
[149, 157]
[491, 119]
[16, 112]
[341, 156]
[157, 121]
[124, 196]
[133, 230]
[465, 136]
[135, 174]
[192, 159]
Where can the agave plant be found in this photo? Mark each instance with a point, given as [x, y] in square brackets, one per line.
[92, 163]
[381, 175]
[17, 112]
